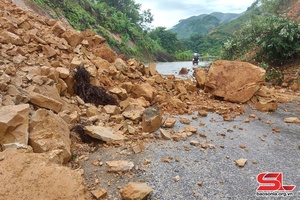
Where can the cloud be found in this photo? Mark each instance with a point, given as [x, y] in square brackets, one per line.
[167, 13]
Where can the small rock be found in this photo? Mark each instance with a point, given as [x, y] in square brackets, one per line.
[254, 162]
[202, 113]
[135, 191]
[276, 129]
[292, 120]
[242, 146]
[119, 166]
[105, 134]
[144, 90]
[138, 147]
[96, 163]
[176, 178]
[131, 129]
[241, 162]
[112, 109]
[98, 194]
[185, 120]
[266, 105]
[133, 112]
[247, 120]
[184, 70]
[200, 183]
[63, 72]
[147, 162]
[170, 122]
[192, 129]
[203, 145]
[165, 134]
[252, 116]
[195, 143]
[167, 160]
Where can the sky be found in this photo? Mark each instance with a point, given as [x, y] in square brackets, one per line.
[167, 13]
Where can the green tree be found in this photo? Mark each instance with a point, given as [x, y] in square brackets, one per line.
[166, 38]
[265, 39]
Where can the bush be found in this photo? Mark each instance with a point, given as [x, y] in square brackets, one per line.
[265, 38]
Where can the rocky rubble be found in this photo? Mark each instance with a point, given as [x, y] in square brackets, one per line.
[38, 106]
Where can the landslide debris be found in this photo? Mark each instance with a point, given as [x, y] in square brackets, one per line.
[61, 88]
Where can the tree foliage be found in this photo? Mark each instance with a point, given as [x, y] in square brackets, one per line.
[267, 37]
[166, 38]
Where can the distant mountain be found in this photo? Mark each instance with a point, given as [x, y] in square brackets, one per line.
[202, 23]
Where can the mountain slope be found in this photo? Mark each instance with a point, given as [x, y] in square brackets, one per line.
[202, 24]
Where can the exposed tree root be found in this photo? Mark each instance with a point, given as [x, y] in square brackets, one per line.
[90, 93]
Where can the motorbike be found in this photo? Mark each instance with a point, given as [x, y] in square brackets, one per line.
[195, 61]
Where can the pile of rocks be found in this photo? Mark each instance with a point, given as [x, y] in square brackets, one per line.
[38, 57]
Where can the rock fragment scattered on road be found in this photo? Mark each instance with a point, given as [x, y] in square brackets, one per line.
[292, 120]
[135, 191]
[241, 162]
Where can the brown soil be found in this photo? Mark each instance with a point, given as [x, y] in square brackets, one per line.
[38, 172]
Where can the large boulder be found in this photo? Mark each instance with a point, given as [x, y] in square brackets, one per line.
[14, 124]
[233, 80]
[50, 134]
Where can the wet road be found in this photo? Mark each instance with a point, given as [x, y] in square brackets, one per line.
[169, 68]
[268, 144]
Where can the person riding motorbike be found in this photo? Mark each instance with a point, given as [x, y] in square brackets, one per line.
[195, 58]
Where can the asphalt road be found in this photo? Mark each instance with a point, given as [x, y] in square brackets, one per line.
[265, 149]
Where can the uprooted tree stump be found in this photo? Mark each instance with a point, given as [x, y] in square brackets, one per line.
[90, 93]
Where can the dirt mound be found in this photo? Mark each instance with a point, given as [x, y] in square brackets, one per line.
[33, 176]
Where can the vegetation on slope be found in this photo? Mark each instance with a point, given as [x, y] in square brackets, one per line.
[126, 28]
[269, 37]
[122, 23]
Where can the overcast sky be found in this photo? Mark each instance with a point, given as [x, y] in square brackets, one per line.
[167, 13]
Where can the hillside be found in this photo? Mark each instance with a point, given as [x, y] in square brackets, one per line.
[202, 24]
[290, 9]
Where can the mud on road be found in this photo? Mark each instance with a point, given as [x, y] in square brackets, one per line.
[180, 170]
